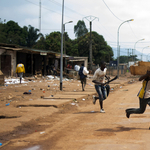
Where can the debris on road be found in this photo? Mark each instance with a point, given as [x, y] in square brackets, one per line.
[7, 104]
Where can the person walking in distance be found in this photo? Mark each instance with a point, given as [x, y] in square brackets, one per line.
[20, 70]
[83, 72]
[99, 79]
[144, 96]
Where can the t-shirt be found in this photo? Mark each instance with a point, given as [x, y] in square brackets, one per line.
[20, 68]
[99, 75]
[145, 90]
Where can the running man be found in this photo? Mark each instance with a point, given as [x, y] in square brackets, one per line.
[99, 80]
[144, 96]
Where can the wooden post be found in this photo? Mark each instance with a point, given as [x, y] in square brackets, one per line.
[31, 63]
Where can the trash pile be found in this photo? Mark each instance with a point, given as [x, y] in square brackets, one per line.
[17, 80]
[14, 81]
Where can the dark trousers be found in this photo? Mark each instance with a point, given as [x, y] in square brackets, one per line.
[142, 107]
[83, 82]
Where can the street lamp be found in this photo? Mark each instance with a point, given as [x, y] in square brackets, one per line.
[64, 35]
[118, 47]
[134, 46]
[64, 41]
[142, 52]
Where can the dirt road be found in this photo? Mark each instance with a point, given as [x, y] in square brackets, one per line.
[80, 125]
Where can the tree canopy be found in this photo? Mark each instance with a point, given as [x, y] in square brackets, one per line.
[101, 51]
[32, 35]
[12, 33]
[126, 59]
[80, 29]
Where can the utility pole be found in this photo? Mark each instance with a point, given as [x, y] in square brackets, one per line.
[64, 40]
[132, 55]
[128, 54]
[90, 19]
[61, 58]
[40, 16]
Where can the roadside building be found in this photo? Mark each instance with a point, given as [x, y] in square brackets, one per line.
[35, 61]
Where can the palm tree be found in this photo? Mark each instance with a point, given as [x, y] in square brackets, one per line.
[33, 35]
[80, 29]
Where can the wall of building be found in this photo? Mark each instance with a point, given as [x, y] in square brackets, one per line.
[79, 61]
[8, 71]
[14, 60]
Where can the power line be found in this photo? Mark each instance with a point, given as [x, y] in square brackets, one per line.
[59, 4]
[132, 31]
[43, 7]
[48, 9]
[106, 32]
[111, 11]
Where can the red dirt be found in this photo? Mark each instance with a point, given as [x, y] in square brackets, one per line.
[71, 122]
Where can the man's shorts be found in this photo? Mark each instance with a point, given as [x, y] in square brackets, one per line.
[83, 81]
[101, 91]
[20, 74]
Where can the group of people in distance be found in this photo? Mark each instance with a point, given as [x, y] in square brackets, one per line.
[103, 91]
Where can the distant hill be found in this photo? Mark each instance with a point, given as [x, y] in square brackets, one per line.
[126, 52]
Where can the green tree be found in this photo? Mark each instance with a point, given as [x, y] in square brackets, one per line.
[12, 33]
[70, 46]
[32, 35]
[80, 29]
[40, 44]
[53, 41]
[2, 33]
[101, 51]
[126, 59]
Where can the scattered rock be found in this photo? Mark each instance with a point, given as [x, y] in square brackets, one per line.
[42, 96]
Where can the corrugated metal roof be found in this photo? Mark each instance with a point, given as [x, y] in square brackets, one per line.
[24, 49]
[10, 48]
[40, 51]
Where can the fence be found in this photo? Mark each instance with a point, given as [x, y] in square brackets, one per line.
[112, 70]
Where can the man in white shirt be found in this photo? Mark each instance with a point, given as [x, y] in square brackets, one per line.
[99, 80]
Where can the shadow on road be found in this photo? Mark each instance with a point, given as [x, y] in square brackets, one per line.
[87, 112]
[120, 129]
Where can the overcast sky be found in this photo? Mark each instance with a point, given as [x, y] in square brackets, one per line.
[107, 16]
